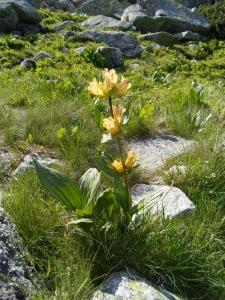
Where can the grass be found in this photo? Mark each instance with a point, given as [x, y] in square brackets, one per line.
[185, 255]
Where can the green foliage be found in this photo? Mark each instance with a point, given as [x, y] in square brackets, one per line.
[215, 13]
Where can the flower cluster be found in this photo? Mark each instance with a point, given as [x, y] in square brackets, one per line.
[111, 87]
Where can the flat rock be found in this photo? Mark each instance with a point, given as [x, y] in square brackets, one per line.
[129, 285]
[126, 42]
[166, 200]
[106, 22]
[190, 36]
[156, 149]
[63, 25]
[160, 38]
[42, 55]
[178, 18]
[17, 277]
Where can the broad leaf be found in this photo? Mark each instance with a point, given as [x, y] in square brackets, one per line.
[103, 165]
[79, 221]
[59, 186]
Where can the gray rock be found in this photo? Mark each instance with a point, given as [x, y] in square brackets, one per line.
[106, 22]
[27, 162]
[135, 67]
[161, 200]
[190, 36]
[5, 158]
[14, 11]
[192, 47]
[196, 3]
[81, 50]
[64, 25]
[42, 55]
[178, 19]
[16, 276]
[160, 13]
[65, 5]
[126, 42]
[129, 285]
[24, 27]
[28, 64]
[156, 149]
[102, 7]
[161, 38]
[112, 57]
[69, 34]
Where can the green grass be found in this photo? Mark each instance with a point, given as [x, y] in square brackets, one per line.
[185, 255]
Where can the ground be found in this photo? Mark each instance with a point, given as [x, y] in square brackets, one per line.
[178, 90]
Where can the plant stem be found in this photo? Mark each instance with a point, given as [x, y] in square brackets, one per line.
[125, 177]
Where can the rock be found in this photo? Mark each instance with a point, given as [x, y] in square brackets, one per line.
[81, 50]
[16, 275]
[126, 42]
[167, 201]
[178, 18]
[196, 3]
[135, 67]
[69, 34]
[24, 28]
[192, 47]
[28, 64]
[27, 162]
[42, 55]
[64, 25]
[129, 285]
[161, 38]
[65, 5]
[14, 11]
[190, 36]
[160, 13]
[156, 149]
[107, 22]
[5, 158]
[102, 7]
[112, 57]
[64, 50]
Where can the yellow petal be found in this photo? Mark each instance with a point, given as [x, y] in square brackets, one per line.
[118, 166]
[131, 159]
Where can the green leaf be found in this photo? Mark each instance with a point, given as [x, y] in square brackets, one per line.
[90, 184]
[121, 193]
[79, 221]
[59, 186]
[103, 165]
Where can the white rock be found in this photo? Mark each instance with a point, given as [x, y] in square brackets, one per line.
[129, 285]
[162, 200]
[155, 150]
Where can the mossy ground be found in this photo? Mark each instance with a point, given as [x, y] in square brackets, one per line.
[185, 255]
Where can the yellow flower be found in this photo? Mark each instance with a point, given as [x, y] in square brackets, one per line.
[118, 166]
[131, 159]
[61, 132]
[110, 87]
[113, 124]
[128, 164]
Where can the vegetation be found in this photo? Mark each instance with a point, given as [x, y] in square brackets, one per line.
[178, 90]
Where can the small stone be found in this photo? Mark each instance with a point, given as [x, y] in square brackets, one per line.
[163, 200]
[135, 67]
[81, 50]
[42, 55]
[192, 47]
[28, 64]
[69, 34]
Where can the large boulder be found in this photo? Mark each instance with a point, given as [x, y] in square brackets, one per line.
[106, 22]
[16, 276]
[102, 7]
[129, 285]
[65, 5]
[196, 3]
[126, 42]
[14, 11]
[166, 16]
[160, 38]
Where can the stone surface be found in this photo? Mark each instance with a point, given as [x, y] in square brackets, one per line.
[42, 55]
[64, 25]
[129, 285]
[106, 22]
[160, 38]
[163, 200]
[16, 275]
[28, 64]
[190, 36]
[65, 5]
[112, 57]
[81, 50]
[178, 18]
[156, 149]
[126, 42]
[27, 162]
[14, 11]
[102, 7]
[196, 3]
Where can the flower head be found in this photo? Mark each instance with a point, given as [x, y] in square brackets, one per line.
[113, 124]
[118, 166]
[110, 87]
[131, 159]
